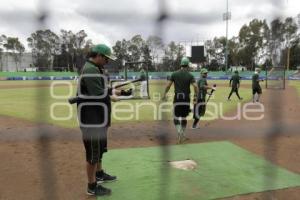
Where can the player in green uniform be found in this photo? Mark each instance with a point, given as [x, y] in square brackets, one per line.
[182, 80]
[200, 101]
[256, 89]
[235, 85]
[94, 116]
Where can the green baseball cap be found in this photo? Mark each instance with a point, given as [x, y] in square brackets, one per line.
[204, 71]
[184, 61]
[104, 50]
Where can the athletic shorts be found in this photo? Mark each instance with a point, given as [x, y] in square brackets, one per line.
[256, 90]
[234, 89]
[181, 107]
[95, 143]
[199, 108]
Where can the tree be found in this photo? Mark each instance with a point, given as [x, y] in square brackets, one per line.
[216, 50]
[173, 54]
[135, 49]
[15, 49]
[63, 60]
[121, 52]
[276, 41]
[83, 53]
[67, 40]
[289, 35]
[294, 54]
[44, 45]
[233, 46]
[146, 56]
[156, 47]
[253, 39]
[74, 48]
[80, 44]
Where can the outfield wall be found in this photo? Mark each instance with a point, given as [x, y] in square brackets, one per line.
[246, 75]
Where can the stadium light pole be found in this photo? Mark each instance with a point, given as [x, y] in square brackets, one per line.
[226, 17]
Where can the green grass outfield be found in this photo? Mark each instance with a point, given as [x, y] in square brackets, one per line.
[223, 170]
[22, 102]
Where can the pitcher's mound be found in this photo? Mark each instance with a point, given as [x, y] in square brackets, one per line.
[184, 164]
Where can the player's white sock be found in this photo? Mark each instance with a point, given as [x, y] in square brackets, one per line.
[182, 130]
[178, 128]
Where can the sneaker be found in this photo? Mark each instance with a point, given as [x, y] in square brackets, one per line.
[101, 177]
[195, 126]
[98, 190]
[184, 138]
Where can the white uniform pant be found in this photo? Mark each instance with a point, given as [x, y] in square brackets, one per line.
[144, 92]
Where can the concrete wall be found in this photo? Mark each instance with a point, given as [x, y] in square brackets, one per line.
[8, 64]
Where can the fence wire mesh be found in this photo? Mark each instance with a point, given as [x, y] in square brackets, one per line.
[162, 20]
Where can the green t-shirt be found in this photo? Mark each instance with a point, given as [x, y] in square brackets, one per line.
[93, 85]
[202, 82]
[255, 81]
[182, 80]
[235, 80]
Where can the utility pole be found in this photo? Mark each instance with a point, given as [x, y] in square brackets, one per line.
[226, 17]
[288, 58]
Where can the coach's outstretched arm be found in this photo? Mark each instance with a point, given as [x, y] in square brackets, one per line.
[168, 86]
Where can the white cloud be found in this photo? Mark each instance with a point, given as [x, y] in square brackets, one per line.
[110, 20]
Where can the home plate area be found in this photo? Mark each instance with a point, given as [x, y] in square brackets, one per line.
[193, 171]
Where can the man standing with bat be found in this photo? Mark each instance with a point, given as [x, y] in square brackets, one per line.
[182, 80]
[94, 109]
[200, 102]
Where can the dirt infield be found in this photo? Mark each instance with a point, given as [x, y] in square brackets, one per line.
[26, 166]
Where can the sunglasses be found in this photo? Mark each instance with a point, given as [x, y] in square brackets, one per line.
[106, 58]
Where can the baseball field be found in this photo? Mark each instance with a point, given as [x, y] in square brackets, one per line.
[241, 150]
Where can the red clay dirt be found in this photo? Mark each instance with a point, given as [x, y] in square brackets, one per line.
[53, 167]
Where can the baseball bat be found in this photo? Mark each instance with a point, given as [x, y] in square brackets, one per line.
[212, 91]
[126, 83]
[77, 99]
